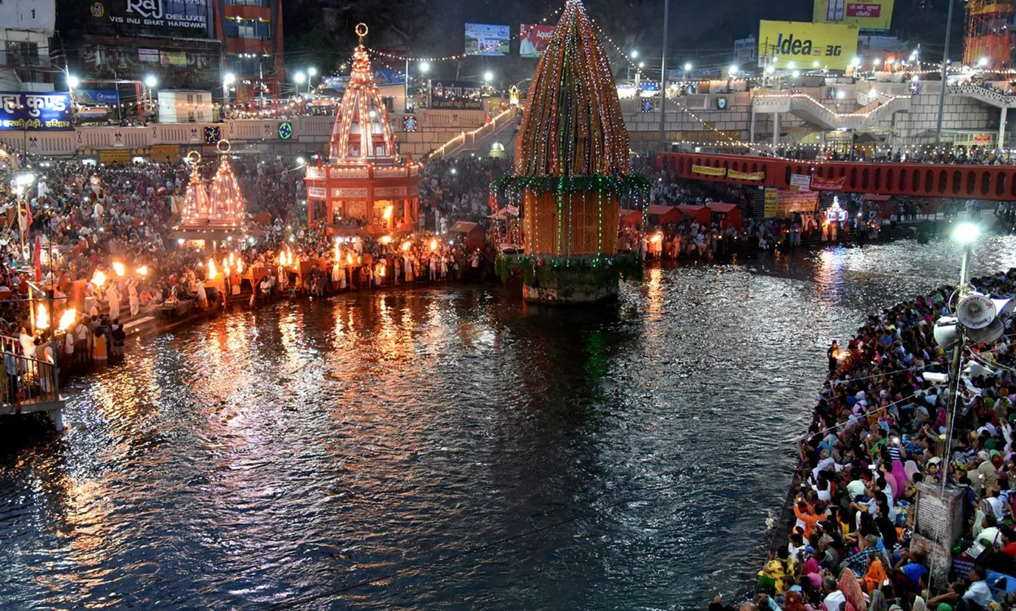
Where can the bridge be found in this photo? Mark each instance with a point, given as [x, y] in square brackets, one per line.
[907, 179]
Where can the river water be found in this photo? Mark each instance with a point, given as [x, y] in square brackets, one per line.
[447, 448]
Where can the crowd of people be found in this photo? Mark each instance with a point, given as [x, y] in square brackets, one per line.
[878, 432]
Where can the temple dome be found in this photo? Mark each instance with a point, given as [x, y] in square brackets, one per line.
[362, 131]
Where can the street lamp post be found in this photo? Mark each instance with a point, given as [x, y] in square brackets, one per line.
[311, 73]
[663, 78]
[945, 64]
[227, 79]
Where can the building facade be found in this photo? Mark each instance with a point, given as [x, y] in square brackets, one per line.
[25, 64]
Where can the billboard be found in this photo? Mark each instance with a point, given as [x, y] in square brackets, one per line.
[35, 111]
[486, 39]
[745, 50]
[33, 15]
[833, 46]
[456, 95]
[183, 18]
[97, 96]
[533, 39]
[875, 15]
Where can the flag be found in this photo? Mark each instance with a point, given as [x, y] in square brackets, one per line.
[37, 259]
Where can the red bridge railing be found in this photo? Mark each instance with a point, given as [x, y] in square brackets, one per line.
[910, 179]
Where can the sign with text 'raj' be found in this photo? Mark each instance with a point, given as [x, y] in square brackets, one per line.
[456, 95]
[35, 111]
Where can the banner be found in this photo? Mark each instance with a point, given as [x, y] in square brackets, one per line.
[796, 201]
[875, 15]
[35, 111]
[759, 176]
[828, 184]
[745, 50]
[772, 202]
[708, 171]
[184, 18]
[456, 95]
[833, 46]
[173, 58]
[486, 39]
[800, 182]
[533, 39]
[96, 96]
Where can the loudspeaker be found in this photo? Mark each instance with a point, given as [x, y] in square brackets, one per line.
[975, 311]
[946, 332]
[988, 334]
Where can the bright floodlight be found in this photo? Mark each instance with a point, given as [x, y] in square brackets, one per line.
[300, 161]
[965, 233]
[687, 66]
[814, 64]
[982, 62]
[312, 71]
[300, 78]
[488, 76]
[229, 78]
[792, 65]
[23, 180]
[855, 62]
[151, 81]
[732, 69]
[796, 73]
[424, 67]
[634, 54]
[770, 69]
[73, 81]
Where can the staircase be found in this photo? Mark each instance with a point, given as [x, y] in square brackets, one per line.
[811, 110]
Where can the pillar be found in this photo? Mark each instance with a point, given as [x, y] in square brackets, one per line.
[310, 213]
[776, 131]
[751, 130]
[1001, 129]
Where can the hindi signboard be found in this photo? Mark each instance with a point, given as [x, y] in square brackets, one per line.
[456, 95]
[873, 15]
[35, 111]
[533, 39]
[185, 18]
[487, 39]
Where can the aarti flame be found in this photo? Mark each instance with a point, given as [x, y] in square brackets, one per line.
[67, 319]
[349, 258]
[407, 245]
[142, 271]
[119, 269]
[388, 212]
[433, 244]
[212, 272]
[98, 279]
[41, 317]
[386, 239]
[239, 266]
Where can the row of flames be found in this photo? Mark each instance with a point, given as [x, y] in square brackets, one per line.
[230, 264]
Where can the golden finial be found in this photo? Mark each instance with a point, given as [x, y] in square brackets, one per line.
[361, 31]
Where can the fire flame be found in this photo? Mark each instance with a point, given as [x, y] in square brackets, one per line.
[41, 317]
[119, 268]
[98, 279]
[386, 239]
[407, 245]
[239, 265]
[433, 244]
[388, 212]
[211, 269]
[349, 258]
[67, 318]
[142, 271]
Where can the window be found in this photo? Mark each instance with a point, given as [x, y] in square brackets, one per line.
[261, 3]
[190, 98]
[200, 96]
[250, 29]
[190, 116]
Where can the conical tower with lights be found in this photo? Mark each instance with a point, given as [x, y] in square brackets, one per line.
[227, 206]
[365, 185]
[571, 172]
[194, 212]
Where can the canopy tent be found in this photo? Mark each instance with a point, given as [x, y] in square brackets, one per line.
[631, 218]
[473, 233]
[730, 214]
[701, 214]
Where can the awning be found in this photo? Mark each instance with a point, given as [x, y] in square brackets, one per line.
[720, 207]
[658, 210]
[463, 227]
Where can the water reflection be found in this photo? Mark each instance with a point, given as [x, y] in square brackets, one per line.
[276, 456]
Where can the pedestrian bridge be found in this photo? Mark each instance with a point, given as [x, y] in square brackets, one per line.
[906, 179]
[879, 111]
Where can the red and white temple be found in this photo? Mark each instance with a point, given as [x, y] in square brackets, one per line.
[364, 185]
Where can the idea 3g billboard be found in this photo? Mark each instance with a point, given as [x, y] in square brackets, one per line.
[871, 15]
[832, 46]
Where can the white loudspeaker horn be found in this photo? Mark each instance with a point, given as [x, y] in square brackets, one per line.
[975, 311]
[946, 333]
[976, 370]
[987, 335]
[1004, 307]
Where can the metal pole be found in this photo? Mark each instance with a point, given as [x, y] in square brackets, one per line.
[663, 78]
[405, 99]
[945, 57]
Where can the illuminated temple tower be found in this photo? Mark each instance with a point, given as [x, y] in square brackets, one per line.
[214, 211]
[990, 33]
[571, 171]
[364, 182]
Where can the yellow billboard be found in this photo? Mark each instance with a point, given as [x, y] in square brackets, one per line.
[871, 15]
[808, 45]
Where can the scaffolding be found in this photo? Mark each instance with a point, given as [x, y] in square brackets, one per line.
[990, 33]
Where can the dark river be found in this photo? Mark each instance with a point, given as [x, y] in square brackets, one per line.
[447, 448]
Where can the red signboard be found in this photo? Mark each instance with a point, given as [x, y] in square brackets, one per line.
[533, 39]
[863, 9]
